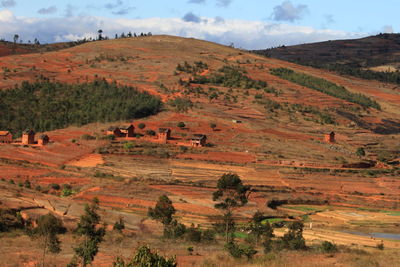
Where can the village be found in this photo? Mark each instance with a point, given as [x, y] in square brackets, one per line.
[164, 136]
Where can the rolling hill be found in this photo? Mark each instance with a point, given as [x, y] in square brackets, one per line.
[265, 119]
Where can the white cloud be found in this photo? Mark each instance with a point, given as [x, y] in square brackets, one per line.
[289, 12]
[245, 34]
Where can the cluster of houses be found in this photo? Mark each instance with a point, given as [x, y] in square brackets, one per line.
[163, 135]
[28, 138]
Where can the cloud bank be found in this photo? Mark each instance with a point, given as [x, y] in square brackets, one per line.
[242, 33]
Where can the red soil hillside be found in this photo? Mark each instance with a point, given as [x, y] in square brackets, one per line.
[272, 135]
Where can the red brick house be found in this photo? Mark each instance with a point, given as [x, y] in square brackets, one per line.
[43, 140]
[198, 140]
[127, 131]
[114, 131]
[5, 137]
[28, 137]
[330, 138]
[164, 134]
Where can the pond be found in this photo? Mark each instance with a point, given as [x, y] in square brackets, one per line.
[377, 235]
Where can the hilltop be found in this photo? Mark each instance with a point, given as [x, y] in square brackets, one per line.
[372, 51]
[265, 119]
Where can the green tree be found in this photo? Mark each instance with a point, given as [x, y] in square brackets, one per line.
[119, 225]
[91, 233]
[260, 228]
[47, 230]
[294, 239]
[100, 32]
[181, 124]
[232, 194]
[360, 152]
[163, 212]
[16, 37]
[144, 257]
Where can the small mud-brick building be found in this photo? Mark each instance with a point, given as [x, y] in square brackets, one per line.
[5, 137]
[330, 138]
[164, 134]
[28, 137]
[198, 140]
[127, 131]
[43, 140]
[116, 131]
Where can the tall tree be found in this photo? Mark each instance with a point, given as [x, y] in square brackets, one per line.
[100, 32]
[16, 37]
[231, 194]
[48, 227]
[88, 227]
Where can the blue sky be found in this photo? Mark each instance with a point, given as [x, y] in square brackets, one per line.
[275, 22]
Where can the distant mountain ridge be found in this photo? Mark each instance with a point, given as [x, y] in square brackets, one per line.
[366, 52]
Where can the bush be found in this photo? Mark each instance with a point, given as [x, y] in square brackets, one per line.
[27, 184]
[119, 225]
[380, 246]
[237, 251]
[55, 186]
[144, 257]
[129, 146]
[328, 247]
[360, 152]
[141, 126]
[294, 238]
[181, 104]
[193, 234]
[150, 133]
[174, 230]
[208, 235]
[181, 124]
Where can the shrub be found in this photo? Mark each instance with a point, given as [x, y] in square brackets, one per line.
[145, 257]
[141, 126]
[193, 234]
[360, 152]
[237, 251]
[294, 238]
[119, 225]
[128, 146]
[328, 247]
[55, 186]
[27, 184]
[150, 133]
[181, 124]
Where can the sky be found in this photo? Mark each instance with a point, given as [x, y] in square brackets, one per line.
[248, 24]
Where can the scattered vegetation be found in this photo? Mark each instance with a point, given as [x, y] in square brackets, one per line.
[324, 86]
[231, 77]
